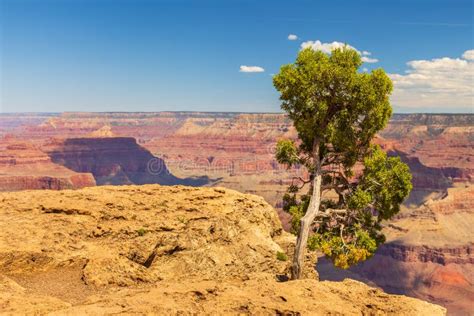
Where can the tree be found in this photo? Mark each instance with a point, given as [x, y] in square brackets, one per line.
[353, 185]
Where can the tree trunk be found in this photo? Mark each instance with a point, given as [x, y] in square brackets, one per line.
[308, 218]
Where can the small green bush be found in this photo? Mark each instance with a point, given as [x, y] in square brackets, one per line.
[282, 256]
[142, 231]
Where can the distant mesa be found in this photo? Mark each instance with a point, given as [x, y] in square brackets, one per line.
[104, 131]
[425, 177]
[24, 166]
[115, 161]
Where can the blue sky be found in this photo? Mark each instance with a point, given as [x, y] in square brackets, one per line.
[116, 55]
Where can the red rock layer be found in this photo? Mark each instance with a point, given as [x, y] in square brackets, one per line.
[113, 160]
[19, 182]
[23, 166]
[443, 256]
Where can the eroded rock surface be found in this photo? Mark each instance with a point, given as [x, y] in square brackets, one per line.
[154, 249]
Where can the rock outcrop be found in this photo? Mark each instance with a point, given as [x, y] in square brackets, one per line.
[162, 250]
[114, 160]
[437, 140]
[430, 178]
[24, 166]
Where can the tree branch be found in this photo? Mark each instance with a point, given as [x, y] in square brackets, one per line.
[330, 211]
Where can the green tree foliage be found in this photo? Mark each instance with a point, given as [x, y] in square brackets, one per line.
[336, 111]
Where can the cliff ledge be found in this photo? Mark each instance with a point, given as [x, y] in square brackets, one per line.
[155, 249]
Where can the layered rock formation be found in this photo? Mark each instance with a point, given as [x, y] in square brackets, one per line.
[24, 166]
[114, 160]
[17, 123]
[73, 163]
[430, 178]
[438, 140]
[162, 250]
[233, 144]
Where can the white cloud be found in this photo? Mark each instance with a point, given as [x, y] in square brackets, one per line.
[324, 47]
[468, 55]
[436, 83]
[369, 60]
[244, 68]
[365, 69]
[292, 37]
[329, 47]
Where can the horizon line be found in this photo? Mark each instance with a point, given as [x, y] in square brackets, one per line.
[208, 112]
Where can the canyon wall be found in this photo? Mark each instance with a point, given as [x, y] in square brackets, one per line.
[72, 163]
[114, 160]
[24, 166]
[243, 144]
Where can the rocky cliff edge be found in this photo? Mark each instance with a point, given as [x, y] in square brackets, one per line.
[164, 250]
